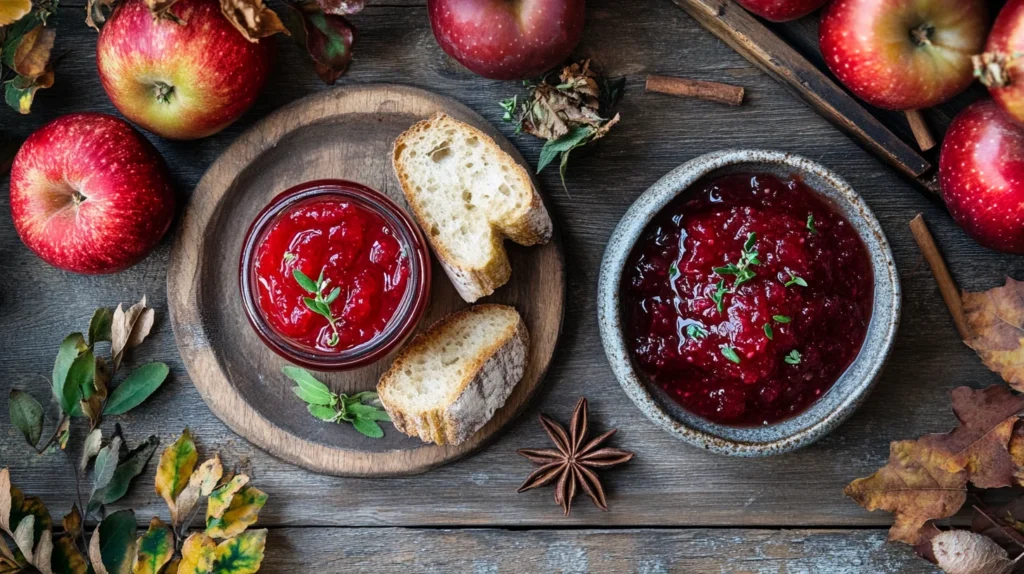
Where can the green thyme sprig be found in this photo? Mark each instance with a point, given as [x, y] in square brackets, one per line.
[320, 303]
[695, 331]
[730, 353]
[741, 269]
[793, 358]
[362, 410]
[795, 280]
[810, 224]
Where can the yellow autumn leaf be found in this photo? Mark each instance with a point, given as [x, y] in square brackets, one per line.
[220, 499]
[241, 513]
[201, 483]
[197, 554]
[176, 465]
[12, 10]
[154, 548]
[242, 554]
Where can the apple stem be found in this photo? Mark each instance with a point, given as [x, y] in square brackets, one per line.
[922, 34]
[163, 92]
[991, 69]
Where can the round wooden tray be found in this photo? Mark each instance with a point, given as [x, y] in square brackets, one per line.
[344, 133]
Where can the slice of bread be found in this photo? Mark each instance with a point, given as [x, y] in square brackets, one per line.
[468, 196]
[447, 383]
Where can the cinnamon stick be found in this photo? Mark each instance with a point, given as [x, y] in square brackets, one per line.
[922, 134]
[950, 292]
[686, 88]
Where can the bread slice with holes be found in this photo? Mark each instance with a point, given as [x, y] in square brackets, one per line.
[468, 196]
[447, 383]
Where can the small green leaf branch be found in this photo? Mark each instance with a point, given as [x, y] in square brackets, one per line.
[362, 410]
[321, 301]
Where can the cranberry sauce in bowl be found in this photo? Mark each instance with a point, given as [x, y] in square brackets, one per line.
[746, 298]
[748, 301]
[333, 275]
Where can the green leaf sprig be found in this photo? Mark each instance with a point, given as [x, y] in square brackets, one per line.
[810, 224]
[321, 301]
[795, 280]
[362, 410]
[793, 358]
[741, 269]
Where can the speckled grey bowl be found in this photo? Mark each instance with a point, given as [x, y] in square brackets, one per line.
[851, 388]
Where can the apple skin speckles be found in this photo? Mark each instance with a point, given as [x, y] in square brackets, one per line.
[881, 63]
[505, 40]
[981, 172]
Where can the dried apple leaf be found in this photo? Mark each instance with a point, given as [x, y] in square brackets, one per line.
[72, 522]
[996, 320]
[176, 465]
[154, 548]
[241, 513]
[67, 559]
[220, 499]
[914, 486]
[129, 328]
[5, 500]
[980, 444]
[197, 554]
[32, 56]
[90, 448]
[162, 9]
[200, 484]
[252, 19]
[96, 12]
[965, 552]
[112, 548]
[20, 92]
[13, 10]
[329, 40]
[242, 554]
[26, 415]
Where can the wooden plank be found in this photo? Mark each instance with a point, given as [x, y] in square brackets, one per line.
[670, 483]
[581, 551]
[736, 27]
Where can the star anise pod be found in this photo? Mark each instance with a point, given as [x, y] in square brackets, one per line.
[573, 462]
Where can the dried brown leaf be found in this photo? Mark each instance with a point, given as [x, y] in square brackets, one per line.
[72, 522]
[5, 500]
[915, 486]
[965, 552]
[996, 319]
[32, 56]
[329, 40]
[95, 555]
[129, 328]
[252, 19]
[979, 445]
[162, 9]
[200, 484]
[96, 12]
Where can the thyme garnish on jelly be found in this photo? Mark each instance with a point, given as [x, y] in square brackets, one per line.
[742, 269]
[730, 354]
[719, 295]
[781, 319]
[289, 256]
[794, 280]
[320, 303]
[768, 332]
[695, 331]
[810, 224]
[793, 358]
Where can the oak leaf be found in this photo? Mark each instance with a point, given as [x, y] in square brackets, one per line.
[915, 486]
[965, 552]
[252, 19]
[996, 320]
[979, 445]
[13, 10]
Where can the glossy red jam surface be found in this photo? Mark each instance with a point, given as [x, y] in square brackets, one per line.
[360, 260]
[795, 285]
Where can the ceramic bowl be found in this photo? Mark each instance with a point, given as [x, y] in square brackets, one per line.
[851, 388]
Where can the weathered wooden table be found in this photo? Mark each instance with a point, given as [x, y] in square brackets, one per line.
[674, 508]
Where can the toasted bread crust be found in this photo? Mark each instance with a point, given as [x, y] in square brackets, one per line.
[531, 225]
[489, 380]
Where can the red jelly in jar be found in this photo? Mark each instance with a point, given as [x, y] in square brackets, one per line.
[747, 300]
[335, 274]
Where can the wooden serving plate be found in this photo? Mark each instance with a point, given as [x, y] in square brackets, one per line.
[344, 133]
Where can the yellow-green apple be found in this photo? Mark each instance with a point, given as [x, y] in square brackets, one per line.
[903, 54]
[981, 172]
[90, 194]
[508, 39]
[781, 10]
[180, 80]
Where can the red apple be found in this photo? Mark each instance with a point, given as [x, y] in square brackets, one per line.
[981, 172]
[508, 39]
[180, 81]
[1002, 68]
[781, 10]
[89, 194]
[901, 54]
